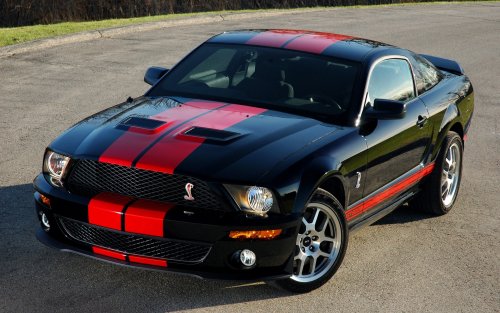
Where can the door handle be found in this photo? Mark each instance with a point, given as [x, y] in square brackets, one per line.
[421, 121]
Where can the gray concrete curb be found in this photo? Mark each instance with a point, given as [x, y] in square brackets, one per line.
[109, 32]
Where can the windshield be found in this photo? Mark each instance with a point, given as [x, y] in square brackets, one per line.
[268, 77]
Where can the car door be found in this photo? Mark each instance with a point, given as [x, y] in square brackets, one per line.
[395, 146]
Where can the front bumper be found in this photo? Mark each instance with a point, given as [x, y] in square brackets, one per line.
[204, 227]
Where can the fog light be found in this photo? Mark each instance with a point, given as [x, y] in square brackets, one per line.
[45, 221]
[247, 257]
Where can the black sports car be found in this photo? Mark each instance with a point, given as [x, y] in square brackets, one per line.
[256, 155]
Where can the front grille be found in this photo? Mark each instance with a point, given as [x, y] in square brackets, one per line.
[168, 249]
[89, 178]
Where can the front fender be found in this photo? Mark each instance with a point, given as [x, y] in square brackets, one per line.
[315, 173]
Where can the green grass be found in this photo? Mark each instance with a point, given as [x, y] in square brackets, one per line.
[15, 35]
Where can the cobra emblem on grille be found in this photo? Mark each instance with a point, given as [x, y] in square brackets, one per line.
[189, 195]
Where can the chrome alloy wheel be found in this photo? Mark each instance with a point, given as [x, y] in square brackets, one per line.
[318, 243]
[450, 175]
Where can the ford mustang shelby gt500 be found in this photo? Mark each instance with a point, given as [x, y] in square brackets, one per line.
[256, 155]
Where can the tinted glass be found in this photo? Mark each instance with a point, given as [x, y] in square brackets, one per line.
[392, 80]
[427, 76]
[271, 78]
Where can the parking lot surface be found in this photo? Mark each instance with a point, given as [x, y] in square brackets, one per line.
[407, 262]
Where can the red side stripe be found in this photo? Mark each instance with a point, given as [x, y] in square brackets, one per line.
[274, 38]
[169, 152]
[315, 42]
[109, 253]
[388, 193]
[128, 146]
[148, 261]
[146, 217]
[105, 209]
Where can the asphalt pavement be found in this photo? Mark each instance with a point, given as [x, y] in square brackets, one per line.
[407, 262]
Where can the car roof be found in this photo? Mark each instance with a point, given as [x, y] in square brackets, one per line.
[322, 43]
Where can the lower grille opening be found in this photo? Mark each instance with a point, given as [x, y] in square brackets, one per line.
[171, 250]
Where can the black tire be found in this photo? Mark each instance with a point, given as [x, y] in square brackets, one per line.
[326, 201]
[430, 198]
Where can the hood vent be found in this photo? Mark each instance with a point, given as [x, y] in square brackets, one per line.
[212, 134]
[142, 124]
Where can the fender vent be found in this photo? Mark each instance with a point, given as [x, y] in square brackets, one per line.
[212, 134]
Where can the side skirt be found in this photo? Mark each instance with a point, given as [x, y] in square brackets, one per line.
[381, 213]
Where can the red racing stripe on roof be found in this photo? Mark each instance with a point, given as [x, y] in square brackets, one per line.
[169, 152]
[378, 198]
[106, 209]
[274, 38]
[315, 42]
[128, 146]
[146, 217]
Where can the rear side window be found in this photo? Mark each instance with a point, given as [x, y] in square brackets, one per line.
[426, 75]
[392, 80]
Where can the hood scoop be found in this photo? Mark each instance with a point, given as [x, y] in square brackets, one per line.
[142, 125]
[213, 135]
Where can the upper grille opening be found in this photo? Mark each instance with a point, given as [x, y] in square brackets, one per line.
[88, 178]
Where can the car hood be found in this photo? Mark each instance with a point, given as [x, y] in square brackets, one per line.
[210, 140]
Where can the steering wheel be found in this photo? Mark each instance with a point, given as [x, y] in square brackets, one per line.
[323, 99]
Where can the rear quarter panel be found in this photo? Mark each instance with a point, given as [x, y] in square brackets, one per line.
[450, 102]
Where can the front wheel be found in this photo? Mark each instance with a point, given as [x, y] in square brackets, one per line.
[320, 246]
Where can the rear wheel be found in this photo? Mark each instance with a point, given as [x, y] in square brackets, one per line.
[320, 246]
[440, 191]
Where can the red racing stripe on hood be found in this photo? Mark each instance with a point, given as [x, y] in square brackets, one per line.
[169, 152]
[146, 217]
[106, 209]
[274, 38]
[315, 42]
[127, 147]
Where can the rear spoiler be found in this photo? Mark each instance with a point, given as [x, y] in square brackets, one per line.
[444, 64]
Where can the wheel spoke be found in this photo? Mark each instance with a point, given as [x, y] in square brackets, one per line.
[321, 233]
[315, 219]
[301, 267]
[444, 189]
[313, 265]
[323, 253]
[305, 222]
[328, 239]
[448, 161]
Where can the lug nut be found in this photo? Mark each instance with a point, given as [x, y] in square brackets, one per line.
[315, 238]
[303, 249]
[311, 248]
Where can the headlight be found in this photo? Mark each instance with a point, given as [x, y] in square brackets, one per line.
[252, 199]
[55, 164]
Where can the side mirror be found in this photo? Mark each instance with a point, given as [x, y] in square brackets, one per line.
[386, 110]
[153, 74]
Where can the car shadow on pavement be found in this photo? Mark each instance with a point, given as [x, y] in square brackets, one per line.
[45, 280]
[402, 215]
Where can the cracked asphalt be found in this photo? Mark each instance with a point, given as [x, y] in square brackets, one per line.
[407, 262]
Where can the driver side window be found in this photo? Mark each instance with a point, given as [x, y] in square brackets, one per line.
[391, 79]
